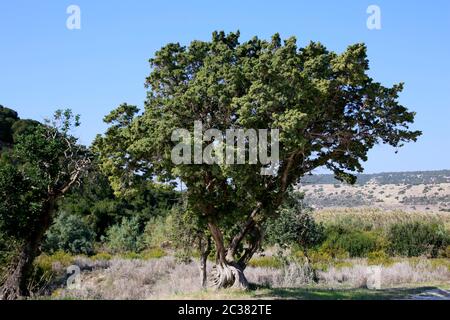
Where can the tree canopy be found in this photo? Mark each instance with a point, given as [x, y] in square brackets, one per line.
[329, 111]
[42, 165]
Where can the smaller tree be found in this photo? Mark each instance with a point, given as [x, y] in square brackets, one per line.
[126, 236]
[43, 165]
[184, 232]
[70, 233]
[295, 226]
[189, 234]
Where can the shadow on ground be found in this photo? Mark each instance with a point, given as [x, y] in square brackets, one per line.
[341, 294]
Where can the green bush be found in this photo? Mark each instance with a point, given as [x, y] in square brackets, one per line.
[47, 262]
[158, 230]
[379, 257]
[357, 243]
[265, 262]
[149, 254]
[154, 253]
[294, 226]
[70, 233]
[415, 239]
[178, 230]
[125, 237]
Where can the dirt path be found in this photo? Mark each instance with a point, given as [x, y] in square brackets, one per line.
[436, 294]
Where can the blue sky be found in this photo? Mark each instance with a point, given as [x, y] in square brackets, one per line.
[45, 66]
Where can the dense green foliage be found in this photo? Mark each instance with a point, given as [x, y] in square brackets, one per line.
[7, 119]
[295, 226]
[95, 200]
[126, 236]
[354, 242]
[409, 239]
[70, 233]
[416, 239]
[11, 127]
[37, 168]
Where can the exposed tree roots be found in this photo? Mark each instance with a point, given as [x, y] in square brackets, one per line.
[228, 276]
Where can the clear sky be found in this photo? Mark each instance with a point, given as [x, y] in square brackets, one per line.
[45, 66]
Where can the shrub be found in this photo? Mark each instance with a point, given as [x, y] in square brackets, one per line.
[48, 270]
[379, 257]
[149, 254]
[438, 263]
[50, 262]
[179, 230]
[294, 226]
[321, 260]
[357, 243]
[130, 256]
[157, 230]
[125, 237]
[69, 233]
[265, 262]
[154, 253]
[418, 238]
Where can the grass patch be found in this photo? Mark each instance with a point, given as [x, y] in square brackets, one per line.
[265, 262]
[154, 253]
[379, 257]
[149, 254]
[47, 262]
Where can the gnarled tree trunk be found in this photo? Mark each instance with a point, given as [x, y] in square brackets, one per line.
[15, 285]
[229, 273]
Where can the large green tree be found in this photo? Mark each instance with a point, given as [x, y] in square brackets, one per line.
[330, 113]
[42, 166]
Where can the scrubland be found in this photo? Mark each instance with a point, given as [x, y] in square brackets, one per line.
[366, 255]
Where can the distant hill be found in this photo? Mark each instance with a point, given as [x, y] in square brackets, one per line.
[11, 126]
[410, 178]
[420, 190]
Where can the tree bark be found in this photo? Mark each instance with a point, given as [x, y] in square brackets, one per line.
[205, 250]
[246, 228]
[226, 273]
[16, 283]
[229, 275]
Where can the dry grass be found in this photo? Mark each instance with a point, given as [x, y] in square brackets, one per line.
[134, 279]
[377, 218]
[165, 279]
[360, 275]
